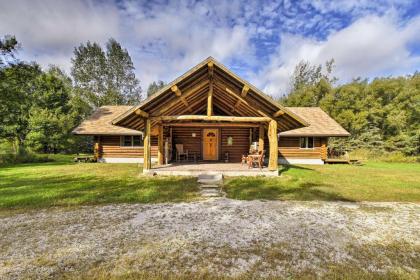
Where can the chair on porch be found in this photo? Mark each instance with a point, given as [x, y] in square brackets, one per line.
[180, 152]
[254, 160]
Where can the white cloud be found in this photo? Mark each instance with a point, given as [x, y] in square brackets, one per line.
[369, 47]
[180, 35]
[49, 30]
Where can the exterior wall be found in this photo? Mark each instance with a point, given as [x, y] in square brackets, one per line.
[291, 153]
[183, 135]
[110, 147]
[240, 144]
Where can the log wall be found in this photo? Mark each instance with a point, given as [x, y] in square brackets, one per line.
[240, 143]
[289, 147]
[110, 147]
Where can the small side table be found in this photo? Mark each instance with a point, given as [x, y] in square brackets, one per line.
[193, 155]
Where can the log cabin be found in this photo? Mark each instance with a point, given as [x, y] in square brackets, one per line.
[215, 116]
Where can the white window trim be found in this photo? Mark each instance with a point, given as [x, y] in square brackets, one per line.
[132, 141]
[306, 148]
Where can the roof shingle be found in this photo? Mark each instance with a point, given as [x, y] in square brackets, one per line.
[320, 123]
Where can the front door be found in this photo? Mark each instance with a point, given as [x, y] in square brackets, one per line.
[210, 144]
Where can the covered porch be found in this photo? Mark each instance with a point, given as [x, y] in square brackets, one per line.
[205, 167]
[213, 114]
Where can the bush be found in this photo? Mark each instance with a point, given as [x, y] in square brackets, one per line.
[22, 156]
[365, 154]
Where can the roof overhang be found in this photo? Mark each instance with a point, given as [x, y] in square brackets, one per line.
[188, 95]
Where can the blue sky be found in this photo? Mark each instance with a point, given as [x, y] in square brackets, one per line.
[261, 41]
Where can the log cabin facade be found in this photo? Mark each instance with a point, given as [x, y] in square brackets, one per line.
[216, 116]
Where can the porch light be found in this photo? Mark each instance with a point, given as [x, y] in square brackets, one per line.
[230, 141]
[193, 134]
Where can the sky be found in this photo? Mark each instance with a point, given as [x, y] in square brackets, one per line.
[261, 41]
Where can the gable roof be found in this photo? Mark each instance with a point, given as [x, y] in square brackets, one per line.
[194, 85]
[320, 123]
[100, 122]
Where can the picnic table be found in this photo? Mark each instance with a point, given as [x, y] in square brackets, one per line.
[84, 159]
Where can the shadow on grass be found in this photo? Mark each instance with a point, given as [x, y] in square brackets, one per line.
[261, 188]
[287, 167]
[76, 190]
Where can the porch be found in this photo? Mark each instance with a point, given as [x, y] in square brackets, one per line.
[205, 167]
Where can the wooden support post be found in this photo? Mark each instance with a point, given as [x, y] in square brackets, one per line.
[160, 145]
[261, 138]
[146, 151]
[274, 151]
[210, 100]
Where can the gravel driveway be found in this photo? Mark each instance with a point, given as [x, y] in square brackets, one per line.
[219, 236]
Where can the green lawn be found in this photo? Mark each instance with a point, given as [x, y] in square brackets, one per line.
[374, 181]
[63, 183]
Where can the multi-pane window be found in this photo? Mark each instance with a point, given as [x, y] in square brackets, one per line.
[306, 142]
[132, 141]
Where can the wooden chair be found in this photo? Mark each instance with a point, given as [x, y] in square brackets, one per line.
[256, 160]
[180, 152]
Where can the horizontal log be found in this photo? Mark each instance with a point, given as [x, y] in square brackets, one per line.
[211, 118]
[192, 124]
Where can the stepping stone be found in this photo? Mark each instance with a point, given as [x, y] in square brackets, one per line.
[209, 187]
[210, 179]
[210, 193]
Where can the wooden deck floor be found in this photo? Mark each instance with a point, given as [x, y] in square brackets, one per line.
[195, 169]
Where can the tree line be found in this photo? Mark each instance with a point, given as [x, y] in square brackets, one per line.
[382, 115]
[39, 108]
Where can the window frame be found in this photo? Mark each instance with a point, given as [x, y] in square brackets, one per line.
[122, 141]
[306, 140]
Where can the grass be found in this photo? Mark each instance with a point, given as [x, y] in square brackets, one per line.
[63, 183]
[374, 181]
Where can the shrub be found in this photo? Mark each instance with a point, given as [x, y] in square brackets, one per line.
[22, 156]
[397, 156]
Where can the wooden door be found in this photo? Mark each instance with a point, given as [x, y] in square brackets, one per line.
[210, 144]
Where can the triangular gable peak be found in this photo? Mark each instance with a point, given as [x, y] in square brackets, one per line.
[209, 92]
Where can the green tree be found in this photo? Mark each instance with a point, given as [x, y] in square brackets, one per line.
[105, 78]
[8, 47]
[17, 93]
[50, 117]
[155, 87]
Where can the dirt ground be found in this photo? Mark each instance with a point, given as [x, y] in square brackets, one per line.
[217, 236]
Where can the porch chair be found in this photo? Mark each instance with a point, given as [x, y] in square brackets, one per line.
[259, 160]
[180, 152]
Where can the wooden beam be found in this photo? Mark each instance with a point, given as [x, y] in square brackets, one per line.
[160, 145]
[142, 113]
[147, 160]
[274, 151]
[211, 118]
[209, 125]
[211, 68]
[278, 113]
[261, 138]
[176, 90]
[239, 97]
[245, 90]
[187, 93]
[210, 99]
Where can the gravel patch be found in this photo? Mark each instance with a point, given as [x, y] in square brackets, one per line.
[223, 236]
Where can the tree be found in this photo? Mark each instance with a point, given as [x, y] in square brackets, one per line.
[155, 87]
[105, 78]
[17, 90]
[8, 46]
[120, 75]
[382, 115]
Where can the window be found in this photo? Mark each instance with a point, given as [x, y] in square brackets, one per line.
[306, 142]
[132, 141]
